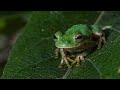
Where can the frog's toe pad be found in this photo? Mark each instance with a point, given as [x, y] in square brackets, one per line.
[60, 66]
[77, 65]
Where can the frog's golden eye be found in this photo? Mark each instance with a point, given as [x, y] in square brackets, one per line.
[78, 37]
[55, 38]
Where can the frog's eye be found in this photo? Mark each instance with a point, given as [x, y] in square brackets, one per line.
[78, 37]
[57, 35]
[55, 38]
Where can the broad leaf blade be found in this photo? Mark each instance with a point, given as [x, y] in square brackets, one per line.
[32, 56]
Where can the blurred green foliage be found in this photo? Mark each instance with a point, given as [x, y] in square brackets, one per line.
[10, 23]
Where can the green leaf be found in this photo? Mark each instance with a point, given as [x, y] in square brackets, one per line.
[33, 54]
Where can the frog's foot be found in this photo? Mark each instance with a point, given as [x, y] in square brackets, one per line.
[106, 27]
[78, 58]
[65, 61]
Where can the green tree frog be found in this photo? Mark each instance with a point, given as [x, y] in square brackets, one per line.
[76, 43]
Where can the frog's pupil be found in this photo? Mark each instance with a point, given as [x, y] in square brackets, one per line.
[55, 38]
[78, 38]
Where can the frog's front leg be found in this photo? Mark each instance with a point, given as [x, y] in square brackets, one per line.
[57, 53]
[78, 58]
[64, 59]
[61, 63]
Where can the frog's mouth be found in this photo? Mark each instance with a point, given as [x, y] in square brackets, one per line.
[68, 47]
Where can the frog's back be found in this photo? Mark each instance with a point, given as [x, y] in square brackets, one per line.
[80, 28]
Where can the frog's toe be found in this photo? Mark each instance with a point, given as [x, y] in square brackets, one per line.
[56, 57]
[99, 47]
[69, 59]
[81, 57]
[60, 66]
[77, 65]
[69, 67]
